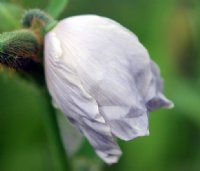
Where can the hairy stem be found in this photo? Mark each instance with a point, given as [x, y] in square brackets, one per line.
[34, 15]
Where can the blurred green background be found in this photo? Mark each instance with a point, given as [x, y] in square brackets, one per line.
[170, 30]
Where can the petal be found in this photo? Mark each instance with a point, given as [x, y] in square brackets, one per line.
[103, 80]
[101, 139]
[158, 100]
[69, 95]
[108, 59]
[122, 107]
[71, 136]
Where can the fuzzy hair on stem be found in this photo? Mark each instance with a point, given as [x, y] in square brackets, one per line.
[46, 21]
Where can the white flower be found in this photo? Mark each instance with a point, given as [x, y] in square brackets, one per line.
[101, 77]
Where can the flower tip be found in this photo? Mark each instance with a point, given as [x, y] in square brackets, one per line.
[112, 158]
[170, 105]
[159, 101]
[144, 132]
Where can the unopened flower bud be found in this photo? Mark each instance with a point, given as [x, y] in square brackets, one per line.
[102, 78]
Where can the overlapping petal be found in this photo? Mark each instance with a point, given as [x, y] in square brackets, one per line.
[102, 78]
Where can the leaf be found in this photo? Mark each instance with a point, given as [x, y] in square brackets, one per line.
[56, 7]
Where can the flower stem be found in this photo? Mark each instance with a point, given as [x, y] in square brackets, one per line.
[33, 15]
[56, 144]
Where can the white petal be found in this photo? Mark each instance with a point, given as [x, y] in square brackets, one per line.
[103, 80]
[108, 59]
[71, 136]
[82, 110]
[158, 100]
[101, 139]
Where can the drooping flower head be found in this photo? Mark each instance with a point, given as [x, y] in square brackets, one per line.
[101, 77]
[103, 80]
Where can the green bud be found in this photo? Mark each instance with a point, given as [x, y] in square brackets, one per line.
[35, 15]
[20, 50]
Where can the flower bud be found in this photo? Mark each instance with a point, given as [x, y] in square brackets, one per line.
[19, 50]
[102, 78]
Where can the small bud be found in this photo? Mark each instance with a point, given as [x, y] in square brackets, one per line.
[20, 50]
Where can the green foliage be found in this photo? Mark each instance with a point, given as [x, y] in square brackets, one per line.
[56, 7]
[10, 15]
[170, 30]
